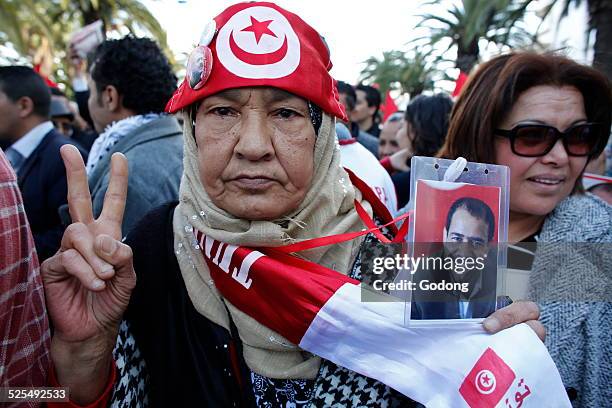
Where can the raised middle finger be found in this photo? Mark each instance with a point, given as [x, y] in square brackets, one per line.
[116, 195]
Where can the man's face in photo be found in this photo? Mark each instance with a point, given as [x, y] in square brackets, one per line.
[467, 235]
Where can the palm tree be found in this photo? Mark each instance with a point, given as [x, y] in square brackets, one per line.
[467, 22]
[410, 72]
[34, 25]
[385, 72]
[30, 26]
[419, 74]
[131, 14]
[600, 21]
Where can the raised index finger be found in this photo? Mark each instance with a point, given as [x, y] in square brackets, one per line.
[116, 193]
[79, 198]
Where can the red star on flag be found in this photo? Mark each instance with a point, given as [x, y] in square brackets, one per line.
[259, 28]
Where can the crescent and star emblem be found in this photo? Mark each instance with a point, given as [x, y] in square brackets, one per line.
[258, 42]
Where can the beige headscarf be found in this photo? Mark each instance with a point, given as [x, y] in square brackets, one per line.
[327, 209]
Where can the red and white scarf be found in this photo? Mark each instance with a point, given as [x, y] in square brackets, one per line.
[321, 310]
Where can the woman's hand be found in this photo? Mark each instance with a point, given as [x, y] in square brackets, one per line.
[88, 282]
[399, 160]
[517, 312]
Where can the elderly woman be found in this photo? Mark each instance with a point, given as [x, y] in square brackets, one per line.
[546, 117]
[261, 170]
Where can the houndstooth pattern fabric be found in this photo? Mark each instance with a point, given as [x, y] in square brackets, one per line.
[337, 387]
[334, 387]
[131, 387]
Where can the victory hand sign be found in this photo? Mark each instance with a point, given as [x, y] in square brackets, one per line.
[88, 282]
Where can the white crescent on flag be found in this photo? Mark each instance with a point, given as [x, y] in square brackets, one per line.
[258, 42]
[322, 311]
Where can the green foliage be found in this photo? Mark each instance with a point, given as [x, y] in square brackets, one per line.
[411, 72]
[600, 16]
[40, 29]
[465, 23]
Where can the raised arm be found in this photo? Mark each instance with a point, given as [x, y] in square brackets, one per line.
[88, 282]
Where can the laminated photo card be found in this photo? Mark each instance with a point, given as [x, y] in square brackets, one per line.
[457, 240]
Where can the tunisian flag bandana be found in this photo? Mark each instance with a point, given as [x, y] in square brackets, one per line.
[321, 310]
[259, 44]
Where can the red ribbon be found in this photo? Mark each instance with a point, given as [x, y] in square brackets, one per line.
[347, 236]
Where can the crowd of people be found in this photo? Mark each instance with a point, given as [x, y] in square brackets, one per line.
[110, 202]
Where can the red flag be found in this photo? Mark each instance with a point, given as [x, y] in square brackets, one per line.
[49, 82]
[461, 79]
[389, 107]
[323, 312]
[487, 382]
[276, 48]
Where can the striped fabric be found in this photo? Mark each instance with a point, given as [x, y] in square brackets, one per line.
[24, 328]
[322, 311]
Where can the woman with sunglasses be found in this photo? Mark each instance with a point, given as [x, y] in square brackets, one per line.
[545, 117]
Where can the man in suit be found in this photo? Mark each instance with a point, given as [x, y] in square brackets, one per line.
[463, 270]
[32, 146]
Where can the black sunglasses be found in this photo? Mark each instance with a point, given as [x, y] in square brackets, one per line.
[537, 140]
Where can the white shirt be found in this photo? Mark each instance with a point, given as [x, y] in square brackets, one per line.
[463, 308]
[30, 141]
[365, 165]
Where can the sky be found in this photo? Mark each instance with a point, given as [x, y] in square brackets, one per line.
[354, 30]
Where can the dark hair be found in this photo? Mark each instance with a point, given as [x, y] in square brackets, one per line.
[349, 91]
[138, 69]
[477, 209]
[428, 116]
[395, 117]
[494, 88]
[372, 97]
[56, 91]
[19, 81]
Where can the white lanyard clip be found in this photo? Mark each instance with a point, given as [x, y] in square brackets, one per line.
[454, 170]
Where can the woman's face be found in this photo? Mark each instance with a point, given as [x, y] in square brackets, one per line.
[255, 151]
[538, 184]
[405, 136]
[387, 140]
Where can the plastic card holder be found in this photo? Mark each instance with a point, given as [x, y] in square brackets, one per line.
[456, 242]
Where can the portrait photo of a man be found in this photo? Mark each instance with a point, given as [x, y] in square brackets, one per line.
[469, 221]
[457, 278]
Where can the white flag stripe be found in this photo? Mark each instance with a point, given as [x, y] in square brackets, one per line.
[428, 364]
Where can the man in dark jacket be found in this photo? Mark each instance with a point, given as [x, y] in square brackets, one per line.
[365, 112]
[130, 83]
[32, 146]
[459, 281]
[348, 98]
